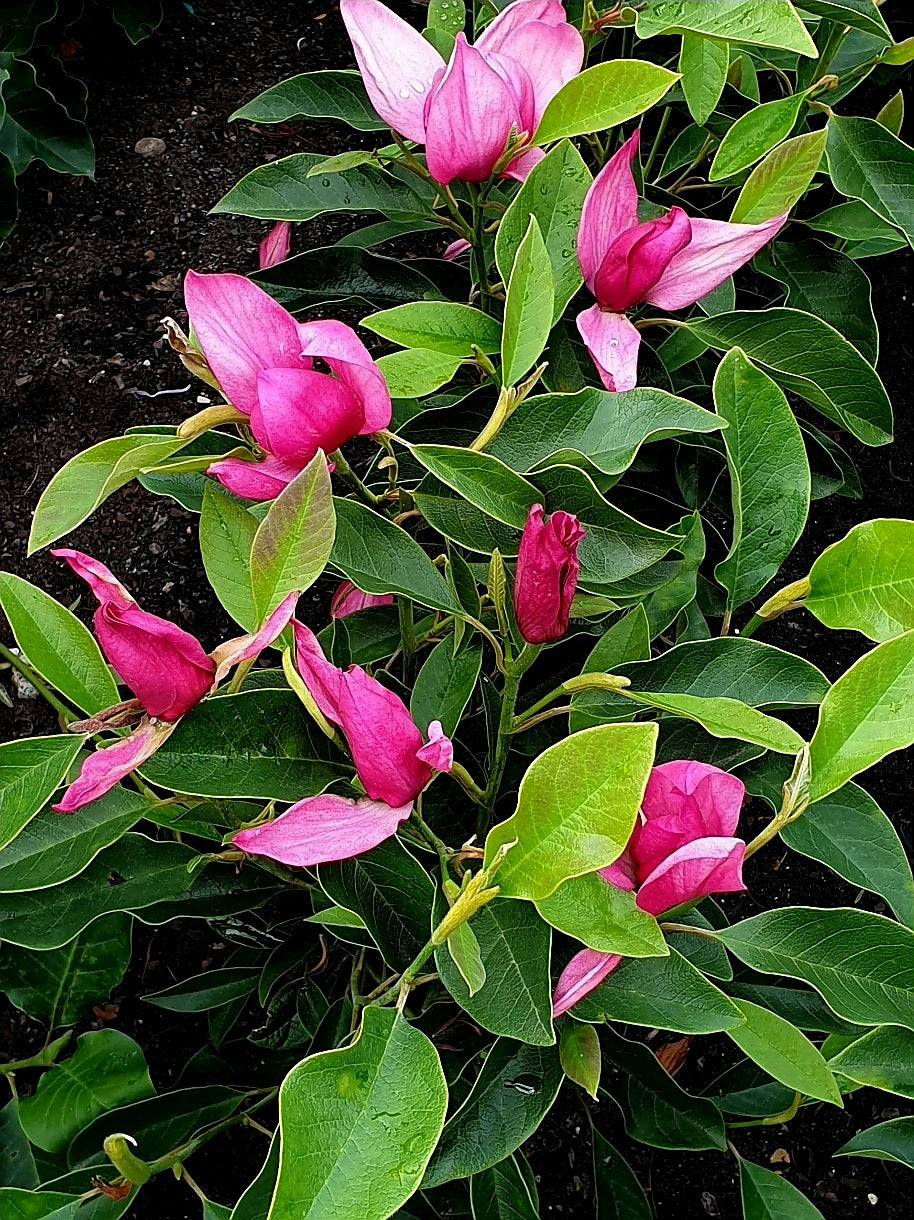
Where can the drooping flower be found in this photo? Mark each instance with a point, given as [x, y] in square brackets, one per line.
[264, 362]
[547, 575]
[681, 850]
[165, 667]
[274, 248]
[348, 599]
[671, 262]
[488, 96]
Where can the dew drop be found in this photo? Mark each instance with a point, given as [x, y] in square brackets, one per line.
[404, 93]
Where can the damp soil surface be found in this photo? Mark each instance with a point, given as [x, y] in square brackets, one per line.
[92, 268]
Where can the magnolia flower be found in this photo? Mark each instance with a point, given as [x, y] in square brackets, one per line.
[680, 851]
[486, 98]
[164, 666]
[348, 599]
[275, 246]
[670, 262]
[547, 575]
[264, 362]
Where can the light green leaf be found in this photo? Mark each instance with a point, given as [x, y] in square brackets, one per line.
[882, 1059]
[30, 772]
[891, 116]
[438, 326]
[768, 1196]
[529, 302]
[703, 64]
[780, 181]
[867, 162]
[784, 1053]
[227, 533]
[482, 479]
[359, 1124]
[417, 371]
[57, 645]
[754, 134]
[604, 96]
[772, 24]
[575, 809]
[891, 1141]
[314, 95]
[865, 582]
[579, 1050]
[463, 948]
[728, 718]
[603, 917]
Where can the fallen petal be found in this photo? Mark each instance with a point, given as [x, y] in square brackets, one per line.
[320, 829]
[583, 974]
[105, 769]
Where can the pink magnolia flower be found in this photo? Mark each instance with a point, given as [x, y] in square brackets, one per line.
[670, 262]
[486, 98]
[682, 849]
[264, 362]
[392, 761]
[348, 599]
[164, 666]
[275, 246]
[547, 575]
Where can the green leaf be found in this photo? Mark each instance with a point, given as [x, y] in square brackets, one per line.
[891, 1141]
[575, 809]
[504, 1192]
[347, 272]
[806, 356]
[439, 326]
[529, 303]
[604, 96]
[626, 640]
[784, 1053]
[315, 95]
[603, 917]
[553, 194]
[867, 162]
[445, 685]
[379, 557]
[728, 718]
[509, 1099]
[861, 964]
[461, 522]
[255, 1202]
[463, 948]
[391, 892]
[891, 116]
[804, 1009]
[35, 126]
[17, 1162]
[182, 479]
[516, 998]
[865, 582]
[282, 190]
[579, 1051]
[359, 1124]
[858, 14]
[417, 371]
[769, 476]
[227, 532]
[108, 1069]
[883, 1059]
[61, 986]
[51, 849]
[855, 222]
[867, 714]
[206, 991]
[30, 772]
[486, 482]
[78, 488]
[666, 603]
[618, 1192]
[781, 180]
[257, 744]
[294, 540]
[753, 135]
[772, 24]
[661, 993]
[703, 64]
[768, 1196]
[57, 645]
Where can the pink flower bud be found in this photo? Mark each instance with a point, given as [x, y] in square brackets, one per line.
[547, 575]
[348, 599]
[275, 246]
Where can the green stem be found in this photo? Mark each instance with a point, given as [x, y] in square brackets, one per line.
[752, 626]
[45, 1057]
[186, 1150]
[439, 845]
[402, 985]
[480, 268]
[655, 147]
[348, 475]
[407, 638]
[32, 678]
[515, 672]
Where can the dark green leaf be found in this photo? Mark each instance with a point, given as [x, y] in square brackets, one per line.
[207, 991]
[883, 1059]
[618, 1192]
[891, 1141]
[768, 1196]
[867, 162]
[36, 127]
[315, 95]
[504, 1192]
[445, 685]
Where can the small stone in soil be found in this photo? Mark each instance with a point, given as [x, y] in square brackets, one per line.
[149, 146]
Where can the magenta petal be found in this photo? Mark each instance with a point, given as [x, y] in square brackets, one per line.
[300, 411]
[610, 209]
[242, 332]
[105, 769]
[439, 752]
[551, 54]
[349, 600]
[323, 828]
[703, 867]
[383, 739]
[347, 356]
[100, 579]
[583, 974]
[716, 250]
[518, 169]
[274, 248]
[247, 647]
[258, 481]
[717, 796]
[322, 678]
[546, 575]
[638, 258]
[396, 62]
[613, 344]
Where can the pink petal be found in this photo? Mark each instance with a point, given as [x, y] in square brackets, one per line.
[247, 647]
[717, 795]
[519, 168]
[439, 752]
[551, 54]
[638, 258]
[613, 344]
[104, 769]
[716, 250]
[469, 116]
[349, 600]
[242, 332]
[322, 678]
[514, 17]
[259, 481]
[461, 245]
[611, 208]
[621, 874]
[583, 974]
[383, 739]
[703, 867]
[299, 411]
[323, 828]
[275, 246]
[100, 579]
[396, 62]
[346, 355]
[517, 78]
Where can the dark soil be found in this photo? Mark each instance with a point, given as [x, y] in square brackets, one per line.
[93, 268]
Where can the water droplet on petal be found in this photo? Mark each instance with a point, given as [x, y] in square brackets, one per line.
[404, 93]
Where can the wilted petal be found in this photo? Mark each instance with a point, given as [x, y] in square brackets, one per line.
[242, 332]
[247, 647]
[322, 678]
[323, 828]
[518, 169]
[259, 481]
[104, 769]
[344, 352]
[613, 344]
[439, 752]
[349, 600]
[383, 739]
[470, 115]
[611, 208]
[396, 62]
[583, 974]
[706, 866]
[551, 54]
[299, 411]
[716, 250]
[638, 258]
[546, 575]
[275, 246]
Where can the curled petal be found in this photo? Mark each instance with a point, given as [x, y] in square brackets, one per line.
[396, 62]
[347, 356]
[322, 678]
[349, 600]
[275, 246]
[323, 828]
[247, 647]
[100, 579]
[513, 17]
[610, 209]
[105, 769]
[519, 168]
[300, 411]
[258, 481]
[439, 752]
[716, 250]
[638, 258]
[613, 344]
[703, 867]
[583, 974]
